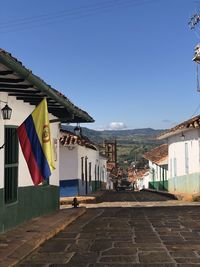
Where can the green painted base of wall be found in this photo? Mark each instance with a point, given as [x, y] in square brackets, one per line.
[159, 185]
[33, 201]
[187, 184]
[96, 185]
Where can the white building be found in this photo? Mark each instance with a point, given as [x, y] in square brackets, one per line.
[158, 167]
[184, 156]
[82, 168]
[138, 178]
[105, 182]
[20, 200]
[143, 181]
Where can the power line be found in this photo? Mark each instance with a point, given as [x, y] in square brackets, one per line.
[61, 13]
[198, 107]
[74, 13]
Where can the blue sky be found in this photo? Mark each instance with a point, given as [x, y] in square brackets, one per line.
[128, 63]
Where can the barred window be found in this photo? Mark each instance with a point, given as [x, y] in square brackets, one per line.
[90, 173]
[82, 173]
[11, 165]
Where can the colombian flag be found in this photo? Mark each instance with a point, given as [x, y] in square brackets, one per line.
[35, 140]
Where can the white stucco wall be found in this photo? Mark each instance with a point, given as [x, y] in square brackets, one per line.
[20, 111]
[68, 163]
[103, 169]
[158, 172]
[93, 157]
[177, 152]
[146, 180]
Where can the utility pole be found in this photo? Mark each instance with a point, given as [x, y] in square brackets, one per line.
[195, 19]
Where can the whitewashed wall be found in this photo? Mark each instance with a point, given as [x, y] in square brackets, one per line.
[93, 157]
[103, 169]
[69, 163]
[20, 111]
[177, 151]
[152, 167]
[158, 172]
[146, 180]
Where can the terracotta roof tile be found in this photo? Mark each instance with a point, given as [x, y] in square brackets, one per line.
[191, 123]
[157, 154]
[134, 174]
[68, 139]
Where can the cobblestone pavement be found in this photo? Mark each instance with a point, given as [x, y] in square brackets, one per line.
[134, 199]
[121, 236]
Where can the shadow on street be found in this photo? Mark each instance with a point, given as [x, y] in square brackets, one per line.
[131, 196]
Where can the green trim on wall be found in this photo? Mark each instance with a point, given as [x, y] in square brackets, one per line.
[188, 184]
[159, 185]
[96, 185]
[33, 201]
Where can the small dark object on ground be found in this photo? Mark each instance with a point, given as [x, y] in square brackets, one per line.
[75, 203]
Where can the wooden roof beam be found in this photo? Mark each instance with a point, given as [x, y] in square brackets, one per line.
[10, 80]
[6, 72]
[21, 93]
[17, 86]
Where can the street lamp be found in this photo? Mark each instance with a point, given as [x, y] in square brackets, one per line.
[6, 111]
[6, 114]
[78, 130]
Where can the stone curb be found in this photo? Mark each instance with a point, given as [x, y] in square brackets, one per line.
[31, 235]
[93, 198]
[161, 193]
[179, 196]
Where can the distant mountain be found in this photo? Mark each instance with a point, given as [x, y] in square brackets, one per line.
[131, 144]
[120, 135]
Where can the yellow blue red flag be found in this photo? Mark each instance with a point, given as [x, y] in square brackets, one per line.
[35, 140]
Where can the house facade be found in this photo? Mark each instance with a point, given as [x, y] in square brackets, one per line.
[143, 180]
[20, 200]
[82, 168]
[110, 168]
[139, 178]
[105, 182]
[158, 167]
[184, 157]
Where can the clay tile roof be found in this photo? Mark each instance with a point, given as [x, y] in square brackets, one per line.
[134, 174]
[70, 139]
[157, 154]
[191, 123]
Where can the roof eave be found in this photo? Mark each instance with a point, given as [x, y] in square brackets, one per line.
[169, 134]
[11, 63]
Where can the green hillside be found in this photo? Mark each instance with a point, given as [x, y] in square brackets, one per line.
[131, 144]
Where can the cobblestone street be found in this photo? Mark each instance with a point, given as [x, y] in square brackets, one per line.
[155, 236]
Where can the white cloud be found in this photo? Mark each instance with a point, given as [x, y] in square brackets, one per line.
[116, 126]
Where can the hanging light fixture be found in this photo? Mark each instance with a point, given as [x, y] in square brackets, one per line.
[182, 137]
[78, 130]
[6, 114]
[6, 111]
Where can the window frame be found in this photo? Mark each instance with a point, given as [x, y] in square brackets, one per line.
[11, 164]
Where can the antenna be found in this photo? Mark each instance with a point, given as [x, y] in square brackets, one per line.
[196, 58]
[195, 19]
